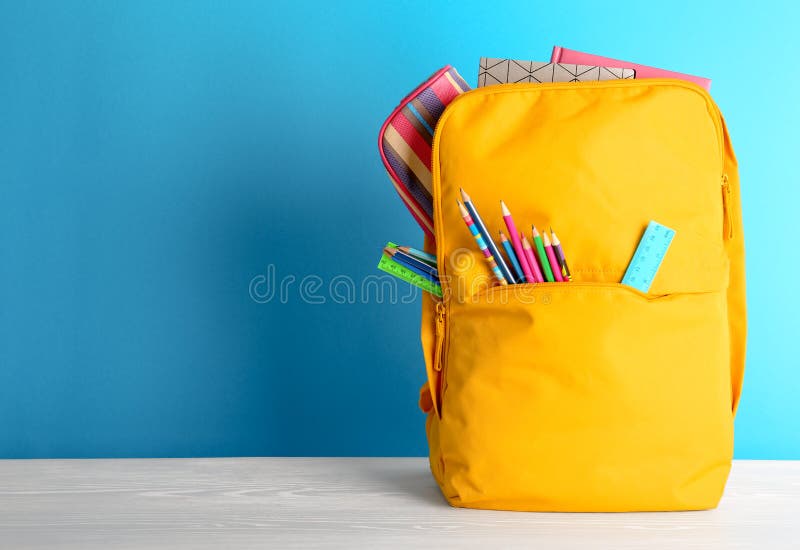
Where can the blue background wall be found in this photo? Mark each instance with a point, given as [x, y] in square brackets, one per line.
[156, 156]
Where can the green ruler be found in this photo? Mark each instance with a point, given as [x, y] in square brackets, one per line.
[401, 272]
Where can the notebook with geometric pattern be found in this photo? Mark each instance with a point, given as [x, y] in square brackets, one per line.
[506, 71]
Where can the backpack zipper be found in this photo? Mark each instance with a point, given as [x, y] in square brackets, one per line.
[438, 355]
[727, 230]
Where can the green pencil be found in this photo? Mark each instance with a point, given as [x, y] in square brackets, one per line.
[545, 263]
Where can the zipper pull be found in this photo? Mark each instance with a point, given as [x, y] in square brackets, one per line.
[437, 354]
[727, 230]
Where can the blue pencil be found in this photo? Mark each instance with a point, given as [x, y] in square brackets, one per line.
[513, 257]
[400, 256]
[498, 258]
[394, 255]
[419, 254]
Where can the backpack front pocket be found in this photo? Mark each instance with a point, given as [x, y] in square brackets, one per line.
[584, 397]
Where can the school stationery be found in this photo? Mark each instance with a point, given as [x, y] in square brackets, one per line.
[551, 257]
[411, 268]
[519, 258]
[512, 230]
[405, 141]
[587, 396]
[565, 55]
[487, 237]
[402, 272]
[648, 257]
[542, 255]
[487, 254]
[512, 256]
[506, 71]
[562, 260]
[413, 263]
[419, 254]
[526, 248]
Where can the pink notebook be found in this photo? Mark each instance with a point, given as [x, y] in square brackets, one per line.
[565, 55]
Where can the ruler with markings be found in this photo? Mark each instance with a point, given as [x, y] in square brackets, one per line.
[648, 256]
[401, 272]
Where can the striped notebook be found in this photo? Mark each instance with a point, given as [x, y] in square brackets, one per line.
[406, 137]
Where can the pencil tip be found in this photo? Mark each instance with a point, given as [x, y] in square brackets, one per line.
[464, 195]
[505, 209]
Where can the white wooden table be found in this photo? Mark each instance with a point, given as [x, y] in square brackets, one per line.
[348, 503]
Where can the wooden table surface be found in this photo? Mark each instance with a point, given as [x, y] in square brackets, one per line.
[348, 503]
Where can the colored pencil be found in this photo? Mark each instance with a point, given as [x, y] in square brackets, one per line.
[403, 258]
[512, 256]
[423, 273]
[404, 273]
[551, 257]
[482, 244]
[562, 259]
[540, 252]
[487, 237]
[526, 248]
[512, 230]
[419, 254]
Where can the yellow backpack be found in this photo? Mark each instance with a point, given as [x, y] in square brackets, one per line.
[586, 395]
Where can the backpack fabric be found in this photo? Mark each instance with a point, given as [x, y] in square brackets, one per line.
[586, 395]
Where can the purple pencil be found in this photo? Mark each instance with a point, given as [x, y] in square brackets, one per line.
[562, 260]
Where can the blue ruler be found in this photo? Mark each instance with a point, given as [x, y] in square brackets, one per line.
[648, 256]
